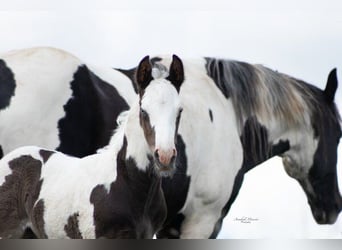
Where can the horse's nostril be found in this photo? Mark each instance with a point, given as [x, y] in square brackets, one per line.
[320, 216]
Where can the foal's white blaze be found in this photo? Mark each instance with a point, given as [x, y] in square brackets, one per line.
[163, 110]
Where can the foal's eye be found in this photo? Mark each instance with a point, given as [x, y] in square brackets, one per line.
[180, 111]
[143, 113]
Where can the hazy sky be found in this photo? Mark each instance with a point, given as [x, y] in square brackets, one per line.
[300, 38]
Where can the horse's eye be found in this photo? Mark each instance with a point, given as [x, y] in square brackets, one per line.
[180, 111]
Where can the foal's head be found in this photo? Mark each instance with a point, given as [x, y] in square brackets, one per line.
[160, 111]
[318, 172]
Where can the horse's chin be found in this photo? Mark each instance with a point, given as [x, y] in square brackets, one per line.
[165, 170]
[324, 217]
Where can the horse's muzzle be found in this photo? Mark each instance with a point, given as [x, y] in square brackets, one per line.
[325, 217]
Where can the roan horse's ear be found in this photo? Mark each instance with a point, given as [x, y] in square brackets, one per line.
[144, 73]
[331, 87]
[176, 75]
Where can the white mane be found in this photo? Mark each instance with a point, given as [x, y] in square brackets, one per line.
[116, 140]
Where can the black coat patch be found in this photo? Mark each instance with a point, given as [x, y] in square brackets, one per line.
[37, 218]
[45, 154]
[175, 190]
[211, 115]
[135, 205]
[256, 146]
[72, 227]
[1, 152]
[130, 73]
[7, 85]
[18, 195]
[90, 115]
[256, 149]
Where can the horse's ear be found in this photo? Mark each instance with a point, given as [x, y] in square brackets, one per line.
[144, 73]
[176, 75]
[331, 87]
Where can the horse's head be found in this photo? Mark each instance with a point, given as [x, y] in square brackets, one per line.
[318, 172]
[160, 111]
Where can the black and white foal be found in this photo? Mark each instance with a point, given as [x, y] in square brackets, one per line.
[112, 194]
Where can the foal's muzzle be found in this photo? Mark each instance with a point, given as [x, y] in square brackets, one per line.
[165, 161]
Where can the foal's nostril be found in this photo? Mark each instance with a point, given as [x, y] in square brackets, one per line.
[173, 158]
[156, 154]
[174, 152]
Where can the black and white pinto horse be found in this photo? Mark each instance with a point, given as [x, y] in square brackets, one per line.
[236, 115]
[50, 98]
[113, 194]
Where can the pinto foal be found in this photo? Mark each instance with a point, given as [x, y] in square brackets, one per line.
[113, 194]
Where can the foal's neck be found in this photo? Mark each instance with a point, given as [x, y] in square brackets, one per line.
[135, 164]
[137, 147]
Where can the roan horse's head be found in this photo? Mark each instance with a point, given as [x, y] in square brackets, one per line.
[313, 161]
[160, 111]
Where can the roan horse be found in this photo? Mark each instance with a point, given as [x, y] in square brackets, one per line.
[113, 194]
[236, 115]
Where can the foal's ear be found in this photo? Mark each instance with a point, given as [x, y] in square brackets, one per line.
[331, 87]
[176, 75]
[144, 73]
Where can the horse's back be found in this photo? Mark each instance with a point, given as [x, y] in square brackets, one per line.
[52, 92]
[35, 85]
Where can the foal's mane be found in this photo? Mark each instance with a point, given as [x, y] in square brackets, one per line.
[117, 139]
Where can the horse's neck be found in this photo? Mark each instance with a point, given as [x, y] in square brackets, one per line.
[262, 140]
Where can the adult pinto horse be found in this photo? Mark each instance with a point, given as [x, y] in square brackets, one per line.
[236, 115]
[113, 194]
[50, 98]
[273, 114]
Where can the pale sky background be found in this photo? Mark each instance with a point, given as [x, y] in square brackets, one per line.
[300, 38]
